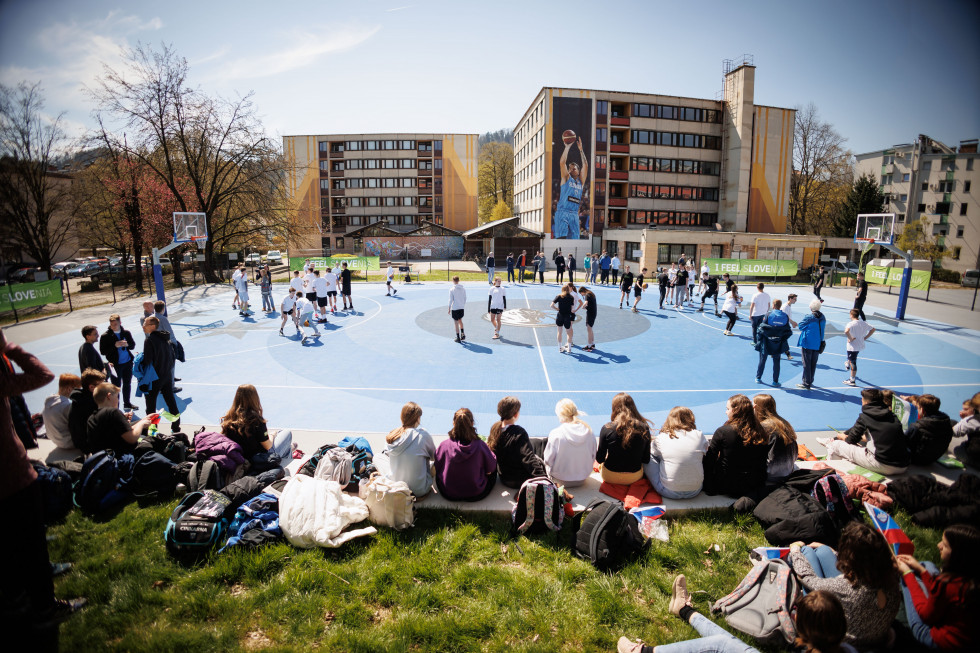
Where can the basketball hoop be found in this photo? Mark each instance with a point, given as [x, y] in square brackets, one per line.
[200, 242]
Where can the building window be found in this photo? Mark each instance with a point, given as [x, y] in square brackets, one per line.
[945, 187]
[926, 165]
[886, 180]
[600, 161]
[963, 208]
[903, 198]
[955, 253]
[922, 208]
[323, 146]
[601, 108]
[600, 135]
[905, 177]
[969, 164]
[612, 248]
[324, 184]
[943, 208]
[633, 251]
[947, 165]
[925, 185]
[959, 232]
[966, 185]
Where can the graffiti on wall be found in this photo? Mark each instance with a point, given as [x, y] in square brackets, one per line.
[447, 247]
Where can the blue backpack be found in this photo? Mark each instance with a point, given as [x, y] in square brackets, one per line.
[197, 525]
[154, 475]
[55, 487]
[102, 485]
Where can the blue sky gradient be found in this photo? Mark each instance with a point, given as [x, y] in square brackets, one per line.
[880, 72]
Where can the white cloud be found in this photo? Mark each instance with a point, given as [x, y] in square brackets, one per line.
[398, 8]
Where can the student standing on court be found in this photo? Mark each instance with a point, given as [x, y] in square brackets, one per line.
[571, 268]
[496, 304]
[604, 264]
[265, 287]
[773, 334]
[308, 284]
[625, 287]
[730, 308]
[305, 309]
[818, 284]
[345, 287]
[861, 295]
[758, 307]
[88, 355]
[591, 310]
[522, 263]
[510, 268]
[158, 352]
[491, 266]
[322, 287]
[680, 286]
[709, 290]
[332, 283]
[457, 302]
[663, 281]
[595, 268]
[587, 265]
[559, 269]
[390, 275]
[812, 329]
[638, 288]
[288, 309]
[857, 332]
[614, 266]
[542, 265]
[564, 303]
[117, 344]
[242, 285]
[296, 283]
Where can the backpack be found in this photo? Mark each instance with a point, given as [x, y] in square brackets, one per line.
[197, 524]
[309, 466]
[335, 465]
[205, 475]
[153, 476]
[539, 506]
[763, 603]
[55, 487]
[831, 493]
[362, 466]
[606, 535]
[390, 503]
[98, 488]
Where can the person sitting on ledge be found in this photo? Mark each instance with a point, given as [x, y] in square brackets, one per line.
[571, 447]
[517, 459]
[466, 469]
[930, 435]
[886, 451]
[624, 443]
[411, 450]
[245, 425]
[736, 461]
[110, 428]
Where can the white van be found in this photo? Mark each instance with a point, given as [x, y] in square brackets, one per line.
[971, 278]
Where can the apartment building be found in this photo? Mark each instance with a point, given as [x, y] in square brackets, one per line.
[653, 163]
[930, 179]
[343, 182]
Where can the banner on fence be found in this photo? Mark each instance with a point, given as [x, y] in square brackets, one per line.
[28, 295]
[750, 267]
[353, 262]
[893, 277]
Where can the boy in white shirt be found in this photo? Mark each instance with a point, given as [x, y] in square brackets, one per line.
[288, 308]
[296, 283]
[389, 275]
[322, 287]
[309, 289]
[331, 278]
[758, 307]
[457, 300]
[788, 309]
[304, 308]
[856, 331]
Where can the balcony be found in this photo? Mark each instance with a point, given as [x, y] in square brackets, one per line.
[622, 121]
[336, 155]
[339, 224]
[336, 173]
[425, 172]
[337, 192]
[425, 153]
[623, 148]
[599, 200]
[617, 201]
[619, 175]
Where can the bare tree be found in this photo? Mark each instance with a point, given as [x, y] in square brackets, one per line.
[36, 211]
[495, 178]
[822, 173]
[211, 153]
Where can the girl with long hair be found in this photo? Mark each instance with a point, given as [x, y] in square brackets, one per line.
[571, 447]
[624, 443]
[411, 450]
[783, 450]
[942, 607]
[517, 459]
[676, 451]
[244, 424]
[466, 469]
[735, 462]
[564, 303]
[730, 308]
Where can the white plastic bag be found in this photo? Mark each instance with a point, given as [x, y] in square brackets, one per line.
[390, 503]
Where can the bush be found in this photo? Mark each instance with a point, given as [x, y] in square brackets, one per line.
[942, 274]
[89, 286]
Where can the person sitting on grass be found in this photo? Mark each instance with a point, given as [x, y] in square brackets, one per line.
[930, 435]
[517, 460]
[82, 407]
[110, 428]
[886, 451]
[783, 450]
[736, 460]
[624, 443]
[411, 450]
[245, 425]
[942, 607]
[675, 469]
[56, 410]
[861, 574]
[466, 469]
[820, 627]
[969, 427]
[571, 447]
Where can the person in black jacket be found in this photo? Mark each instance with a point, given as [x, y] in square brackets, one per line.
[773, 334]
[887, 448]
[117, 345]
[559, 268]
[158, 353]
[929, 437]
[517, 458]
[88, 355]
[82, 407]
[624, 443]
[736, 461]
[711, 283]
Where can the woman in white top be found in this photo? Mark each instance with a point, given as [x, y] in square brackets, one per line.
[675, 468]
[496, 303]
[571, 447]
[730, 308]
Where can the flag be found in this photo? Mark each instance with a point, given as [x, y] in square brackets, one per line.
[890, 530]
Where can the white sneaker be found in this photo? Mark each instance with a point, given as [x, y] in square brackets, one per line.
[825, 441]
[849, 381]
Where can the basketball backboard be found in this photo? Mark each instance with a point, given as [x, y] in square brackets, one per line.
[877, 227]
[190, 227]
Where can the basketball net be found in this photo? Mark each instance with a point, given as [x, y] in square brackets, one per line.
[200, 242]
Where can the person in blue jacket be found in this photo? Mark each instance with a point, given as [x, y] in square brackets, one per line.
[812, 329]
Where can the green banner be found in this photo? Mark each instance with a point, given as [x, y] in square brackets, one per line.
[893, 277]
[751, 267]
[353, 262]
[27, 295]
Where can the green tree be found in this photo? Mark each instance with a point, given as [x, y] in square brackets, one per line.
[495, 179]
[501, 211]
[915, 237]
[865, 196]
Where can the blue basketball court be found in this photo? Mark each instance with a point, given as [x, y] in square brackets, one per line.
[397, 349]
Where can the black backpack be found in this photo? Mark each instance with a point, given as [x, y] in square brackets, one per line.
[98, 489]
[205, 475]
[606, 535]
[153, 476]
[197, 525]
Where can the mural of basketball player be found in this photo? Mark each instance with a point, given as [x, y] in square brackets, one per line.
[573, 179]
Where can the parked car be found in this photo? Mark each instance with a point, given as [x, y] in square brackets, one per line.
[253, 258]
[63, 267]
[273, 256]
[86, 269]
[971, 278]
[76, 270]
[22, 275]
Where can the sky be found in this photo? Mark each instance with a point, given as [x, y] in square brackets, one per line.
[880, 72]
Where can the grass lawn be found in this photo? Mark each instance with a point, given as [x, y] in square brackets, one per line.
[452, 583]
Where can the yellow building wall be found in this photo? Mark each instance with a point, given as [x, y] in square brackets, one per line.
[459, 180]
[304, 188]
[772, 163]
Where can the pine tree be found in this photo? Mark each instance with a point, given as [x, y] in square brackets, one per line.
[865, 196]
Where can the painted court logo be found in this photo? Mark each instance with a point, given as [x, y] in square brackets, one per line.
[527, 317]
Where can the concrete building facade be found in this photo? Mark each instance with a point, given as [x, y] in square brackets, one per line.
[932, 180]
[656, 164]
[344, 182]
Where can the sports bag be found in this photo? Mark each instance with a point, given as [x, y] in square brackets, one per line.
[309, 466]
[831, 493]
[539, 506]
[55, 487]
[98, 489]
[390, 503]
[763, 603]
[606, 535]
[153, 476]
[205, 475]
[197, 525]
[335, 465]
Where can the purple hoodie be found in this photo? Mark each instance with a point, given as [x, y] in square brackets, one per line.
[462, 469]
[225, 452]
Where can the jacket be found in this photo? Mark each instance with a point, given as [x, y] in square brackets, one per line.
[315, 512]
[16, 472]
[158, 353]
[107, 345]
[411, 455]
[772, 338]
[82, 407]
[225, 452]
[680, 467]
[788, 515]
[615, 457]
[884, 431]
[516, 460]
[929, 438]
[812, 329]
[570, 452]
[89, 357]
[462, 469]
[731, 467]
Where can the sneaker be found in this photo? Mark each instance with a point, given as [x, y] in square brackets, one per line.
[627, 645]
[57, 613]
[388, 294]
[634, 310]
[462, 336]
[701, 310]
[758, 380]
[280, 332]
[680, 597]
[802, 386]
[303, 341]
[825, 441]
[130, 407]
[821, 301]
[717, 314]
[789, 356]
[620, 307]
[177, 389]
[849, 381]
[394, 291]
[777, 384]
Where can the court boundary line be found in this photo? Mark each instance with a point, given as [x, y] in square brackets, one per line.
[547, 378]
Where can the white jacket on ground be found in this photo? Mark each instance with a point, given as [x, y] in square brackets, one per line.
[570, 452]
[314, 512]
[680, 467]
